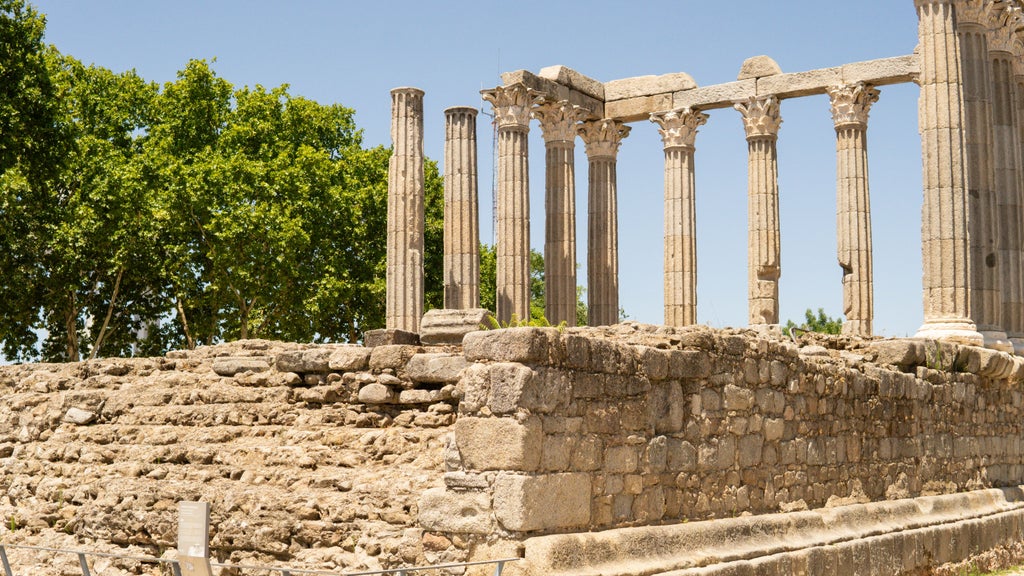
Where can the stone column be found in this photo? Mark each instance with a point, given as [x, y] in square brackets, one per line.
[944, 213]
[1006, 152]
[602, 139]
[678, 129]
[461, 211]
[405, 212]
[1016, 325]
[761, 121]
[512, 106]
[850, 107]
[986, 305]
[558, 125]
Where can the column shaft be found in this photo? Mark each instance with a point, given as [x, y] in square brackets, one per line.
[602, 139]
[678, 130]
[1007, 187]
[461, 211]
[761, 121]
[850, 106]
[986, 305]
[944, 213]
[406, 216]
[512, 113]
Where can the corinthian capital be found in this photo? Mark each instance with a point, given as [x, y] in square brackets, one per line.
[678, 128]
[558, 119]
[851, 104]
[512, 105]
[761, 117]
[602, 137]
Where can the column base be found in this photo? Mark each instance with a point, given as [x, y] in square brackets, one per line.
[1018, 345]
[956, 330]
[996, 339]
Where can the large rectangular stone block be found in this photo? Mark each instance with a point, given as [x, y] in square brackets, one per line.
[499, 443]
[548, 502]
[457, 512]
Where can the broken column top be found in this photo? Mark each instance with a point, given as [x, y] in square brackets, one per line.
[758, 67]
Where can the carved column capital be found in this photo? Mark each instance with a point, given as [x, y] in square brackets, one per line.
[761, 118]
[602, 137]
[933, 2]
[558, 119]
[512, 105]
[678, 128]
[851, 104]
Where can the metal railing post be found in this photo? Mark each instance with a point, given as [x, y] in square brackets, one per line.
[85, 565]
[176, 568]
[3, 559]
[500, 566]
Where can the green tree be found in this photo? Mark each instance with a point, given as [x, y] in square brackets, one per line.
[488, 282]
[816, 323]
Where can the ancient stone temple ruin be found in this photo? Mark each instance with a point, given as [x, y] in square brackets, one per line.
[971, 118]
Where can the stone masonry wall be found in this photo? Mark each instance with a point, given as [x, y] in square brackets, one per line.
[567, 431]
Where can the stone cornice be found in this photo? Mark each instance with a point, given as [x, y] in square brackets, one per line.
[678, 128]
[602, 137]
[851, 104]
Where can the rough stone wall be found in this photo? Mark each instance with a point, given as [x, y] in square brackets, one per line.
[311, 456]
[564, 431]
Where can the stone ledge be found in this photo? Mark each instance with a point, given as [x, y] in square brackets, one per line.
[879, 537]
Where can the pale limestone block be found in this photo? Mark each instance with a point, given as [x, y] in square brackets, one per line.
[681, 456]
[774, 429]
[393, 356]
[511, 384]
[554, 90]
[376, 394]
[79, 416]
[736, 398]
[303, 361]
[799, 84]
[461, 512]
[716, 96]
[638, 108]
[648, 86]
[668, 407]
[758, 67]
[349, 359]
[588, 454]
[546, 502]
[653, 362]
[621, 459]
[573, 79]
[527, 345]
[557, 455]
[435, 368]
[232, 366]
[499, 443]
[897, 70]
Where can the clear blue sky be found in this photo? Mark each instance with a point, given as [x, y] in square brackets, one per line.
[353, 53]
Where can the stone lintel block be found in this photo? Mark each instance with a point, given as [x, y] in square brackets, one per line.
[499, 443]
[547, 502]
[758, 67]
[800, 83]
[716, 96]
[568, 77]
[436, 368]
[386, 336]
[349, 359]
[647, 86]
[554, 90]
[458, 512]
[393, 356]
[446, 326]
[638, 109]
[526, 345]
[896, 70]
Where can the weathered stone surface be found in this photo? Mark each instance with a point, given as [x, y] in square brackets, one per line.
[758, 67]
[461, 220]
[570, 78]
[545, 502]
[232, 366]
[376, 394]
[79, 416]
[901, 352]
[406, 212]
[446, 326]
[526, 345]
[392, 356]
[312, 360]
[648, 86]
[384, 337]
[435, 368]
[456, 512]
[349, 359]
[499, 443]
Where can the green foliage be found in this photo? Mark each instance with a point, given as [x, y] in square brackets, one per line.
[820, 323]
[488, 283]
[136, 218]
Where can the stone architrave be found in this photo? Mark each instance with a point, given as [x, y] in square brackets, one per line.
[558, 125]
[406, 216]
[761, 121]
[678, 129]
[850, 107]
[986, 297]
[1009, 208]
[512, 105]
[945, 239]
[461, 211]
[602, 139]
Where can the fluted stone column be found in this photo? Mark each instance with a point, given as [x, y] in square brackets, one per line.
[1006, 153]
[558, 125]
[406, 215]
[602, 139]
[461, 210]
[678, 129]
[944, 213]
[761, 121]
[850, 107]
[512, 106]
[1016, 324]
[986, 305]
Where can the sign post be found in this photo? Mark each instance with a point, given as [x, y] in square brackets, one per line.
[194, 539]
